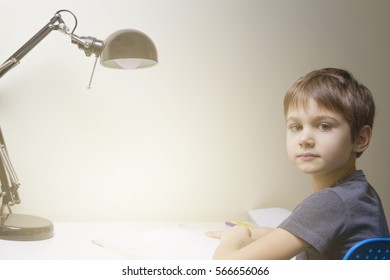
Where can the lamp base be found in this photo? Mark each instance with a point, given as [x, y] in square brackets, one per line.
[25, 228]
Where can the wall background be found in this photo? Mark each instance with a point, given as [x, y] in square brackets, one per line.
[201, 135]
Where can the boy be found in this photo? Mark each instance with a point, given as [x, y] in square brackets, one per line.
[329, 119]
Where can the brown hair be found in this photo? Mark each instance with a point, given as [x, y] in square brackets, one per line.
[336, 90]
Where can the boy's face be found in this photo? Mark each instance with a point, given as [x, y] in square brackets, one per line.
[318, 141]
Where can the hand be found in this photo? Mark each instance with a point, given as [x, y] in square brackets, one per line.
[214, 234]
[218, 233]
[240, 235]
[232, 240]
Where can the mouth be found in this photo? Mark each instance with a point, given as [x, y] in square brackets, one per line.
[307, 156]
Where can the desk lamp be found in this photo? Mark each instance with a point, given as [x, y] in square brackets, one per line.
[126, 49]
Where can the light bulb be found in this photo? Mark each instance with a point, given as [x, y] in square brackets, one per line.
[128, 63]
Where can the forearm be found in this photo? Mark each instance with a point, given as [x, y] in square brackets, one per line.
[228, 249]
[232, 243]
[270, 244]
[256, 233]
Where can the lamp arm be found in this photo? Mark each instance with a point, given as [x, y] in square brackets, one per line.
[29, 45]
[9, 181]
[89, 45]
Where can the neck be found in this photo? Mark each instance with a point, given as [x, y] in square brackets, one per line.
[327, 179]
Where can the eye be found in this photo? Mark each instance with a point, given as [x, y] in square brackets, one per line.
[324, 126]
[295, 127]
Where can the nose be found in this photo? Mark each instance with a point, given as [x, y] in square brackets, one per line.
[306, 138]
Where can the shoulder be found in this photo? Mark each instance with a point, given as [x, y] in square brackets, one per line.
[319, 201]
[354, 189]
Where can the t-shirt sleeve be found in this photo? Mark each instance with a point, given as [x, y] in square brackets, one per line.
[317, 220]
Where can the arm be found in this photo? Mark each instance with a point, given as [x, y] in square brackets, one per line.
[241, 243]
[255, 232]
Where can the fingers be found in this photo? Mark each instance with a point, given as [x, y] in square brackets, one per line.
[214, 234]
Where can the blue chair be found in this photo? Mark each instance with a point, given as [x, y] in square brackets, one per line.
[369, 249]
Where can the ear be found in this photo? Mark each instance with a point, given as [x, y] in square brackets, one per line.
[363, 139]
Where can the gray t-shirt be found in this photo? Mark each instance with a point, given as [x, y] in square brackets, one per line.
[334, 219]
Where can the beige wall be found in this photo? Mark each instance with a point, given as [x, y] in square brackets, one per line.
[200, 136]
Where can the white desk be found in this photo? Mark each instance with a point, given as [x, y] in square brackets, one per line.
[73, 241]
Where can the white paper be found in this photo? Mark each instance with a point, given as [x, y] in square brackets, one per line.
[162, 244]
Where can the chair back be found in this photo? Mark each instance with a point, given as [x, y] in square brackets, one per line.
[370, 249]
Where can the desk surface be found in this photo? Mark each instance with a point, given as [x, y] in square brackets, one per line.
[74, 241]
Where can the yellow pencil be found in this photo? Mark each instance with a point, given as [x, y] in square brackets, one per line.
[238, 223]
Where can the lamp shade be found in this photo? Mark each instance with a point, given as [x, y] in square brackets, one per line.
[128, 49]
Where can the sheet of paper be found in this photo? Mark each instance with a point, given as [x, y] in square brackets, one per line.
[162, 244]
